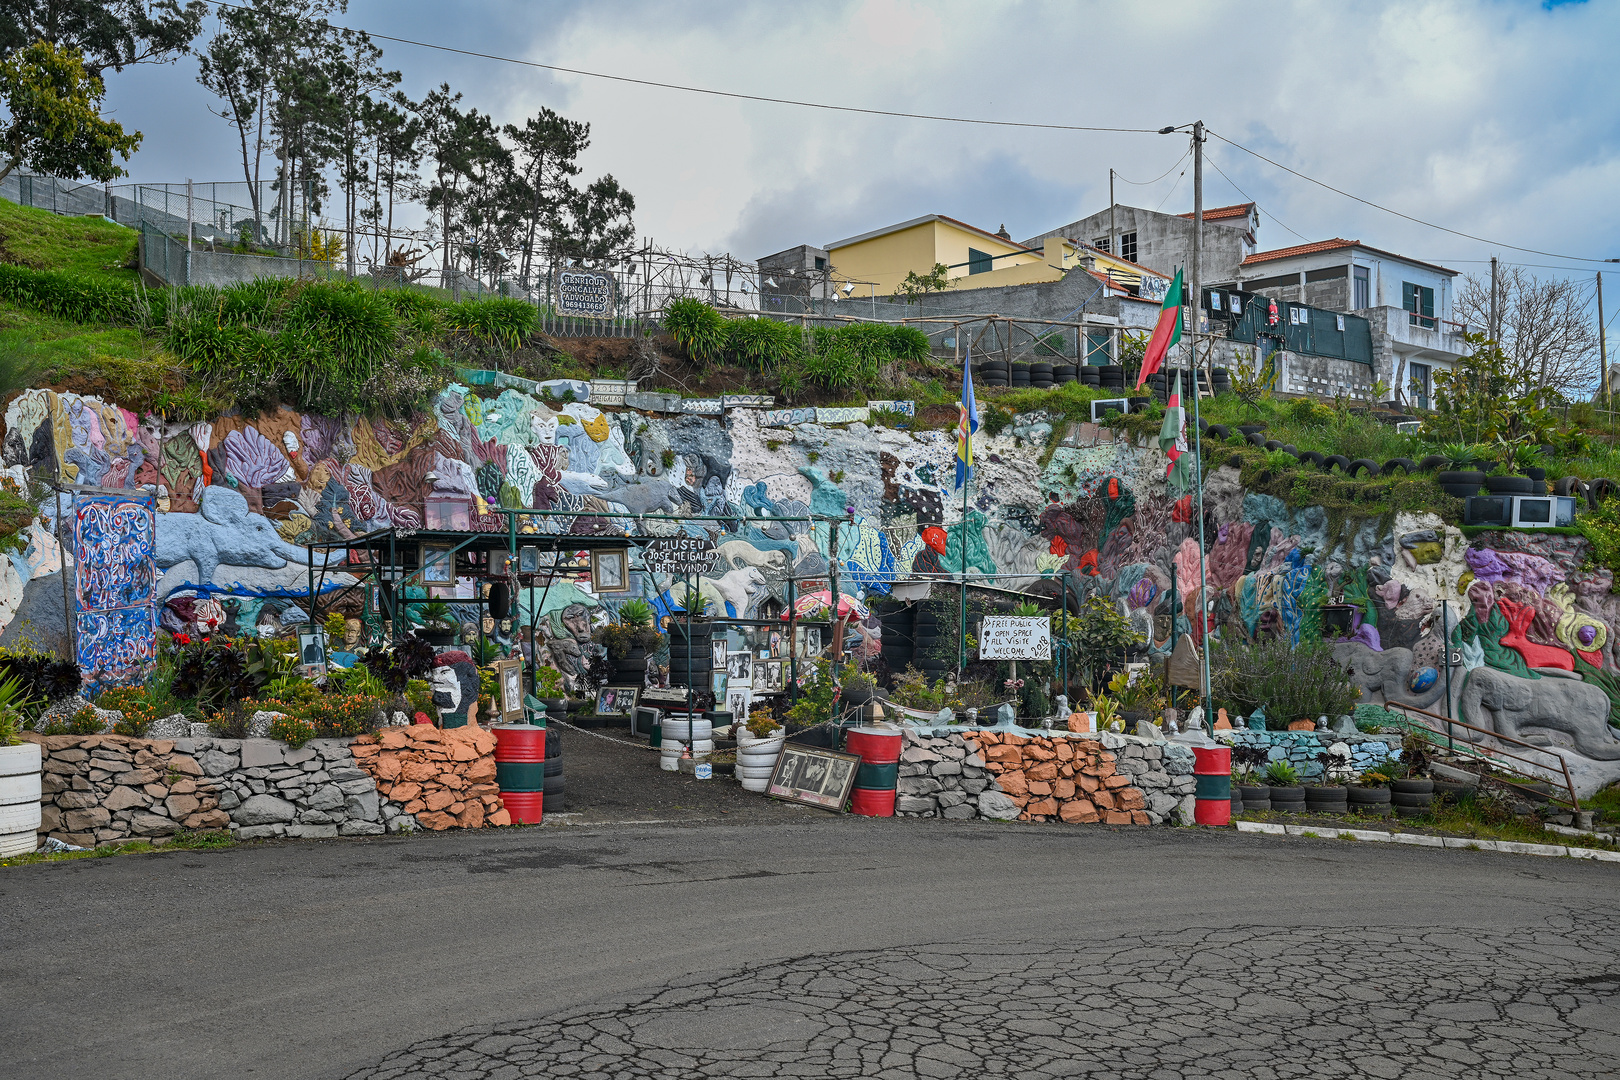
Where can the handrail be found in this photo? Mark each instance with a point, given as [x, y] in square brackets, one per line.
[1489, 753]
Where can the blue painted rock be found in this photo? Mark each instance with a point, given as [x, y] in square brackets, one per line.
[1422, 679]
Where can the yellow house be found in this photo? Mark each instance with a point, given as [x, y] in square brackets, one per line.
[876, 262]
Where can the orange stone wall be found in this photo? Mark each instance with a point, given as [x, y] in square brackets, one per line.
[1058, 779]
[444, 778]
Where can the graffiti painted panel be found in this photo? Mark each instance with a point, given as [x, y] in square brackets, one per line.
[114, 550]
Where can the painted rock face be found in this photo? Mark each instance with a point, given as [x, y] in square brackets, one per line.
[1422, 679]
[1586, 635]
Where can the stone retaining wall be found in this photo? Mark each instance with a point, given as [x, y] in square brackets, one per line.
[443, 778]
[1300, 748]
[1116, 779]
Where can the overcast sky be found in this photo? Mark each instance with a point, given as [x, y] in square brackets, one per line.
[1498, 119]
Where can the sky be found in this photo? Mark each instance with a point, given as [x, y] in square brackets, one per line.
[1496, 119]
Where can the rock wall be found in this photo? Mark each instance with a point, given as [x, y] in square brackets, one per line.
[108, 789]
[1301, 749]
[441, 778]
[1113, 779]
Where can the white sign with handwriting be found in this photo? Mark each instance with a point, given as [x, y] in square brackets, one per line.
[1011, 637]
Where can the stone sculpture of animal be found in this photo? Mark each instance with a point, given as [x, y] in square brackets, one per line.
[1537, 710]
[735, 587]
[735, 553]
[646, 497]
[224, 532]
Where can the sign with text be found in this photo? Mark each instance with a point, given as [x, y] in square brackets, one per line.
[1010, 637]
[678, 555]
[585, 294]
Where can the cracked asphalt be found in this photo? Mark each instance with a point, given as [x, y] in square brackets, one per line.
[817, 946]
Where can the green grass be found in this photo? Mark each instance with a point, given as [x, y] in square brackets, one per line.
[83, 245]
[184, 840]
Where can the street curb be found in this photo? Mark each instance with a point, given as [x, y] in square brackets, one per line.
[1511, 847]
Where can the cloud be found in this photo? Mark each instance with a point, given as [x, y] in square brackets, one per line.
[1497, 119]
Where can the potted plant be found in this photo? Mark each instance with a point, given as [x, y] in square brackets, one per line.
[759, 744]
[1248, 761]
[1370, 793]
[1325, 796]
[1286, 793]
[1139, 698]
[858, 687]
[439, 627]
[550, 688]
[20, 781]
[1107, 716]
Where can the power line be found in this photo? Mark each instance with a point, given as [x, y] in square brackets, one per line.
[708, 91]
[1397, 213]
[1156, 179]
[1246, 195]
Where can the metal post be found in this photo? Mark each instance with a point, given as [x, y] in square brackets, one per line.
[1493, 300]
[1445, 638]
[1063, 638]
[1198, 246]
[188, 213]
[1198, 452]
[1113, 229]
[1603, 347]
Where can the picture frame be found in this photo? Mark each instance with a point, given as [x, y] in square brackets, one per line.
[776, 644]
[312, 657]
[775, 681]
[813, 776]
[717, 684]
[617, 700]
[807, 643]
[502, 563]
[528, 559]
[760, 683]
[738, 699]
[509, 678]
[610, 570]
[740, 667]
[719, 649]
[437, 562]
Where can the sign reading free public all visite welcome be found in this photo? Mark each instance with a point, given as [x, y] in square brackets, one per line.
[585, 294]
[1010, 637]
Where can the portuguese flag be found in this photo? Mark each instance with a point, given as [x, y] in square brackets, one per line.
[1165, 334]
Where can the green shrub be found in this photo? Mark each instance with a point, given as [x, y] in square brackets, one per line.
[762, 344]
[1288, 682]
[698, 329]
[499, 320]
[291, 730]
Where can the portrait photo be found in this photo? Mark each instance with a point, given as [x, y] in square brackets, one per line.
[609, 571]
[740, 667]
[616, 700]
[718, 650]
[813, 776]
[438, 564]
[509, 674]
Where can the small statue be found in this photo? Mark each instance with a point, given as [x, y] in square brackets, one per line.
[973, 716]
[1321, 722]
[1195, 719]
[1063, 705]
[1005, 716]
[1257, 720]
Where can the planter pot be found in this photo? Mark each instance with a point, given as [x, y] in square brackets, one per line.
[19, 798]
[1451, 788]
[1288, 799]
[1254, 798]
[857, 696]
[1367, 796]
[1412, 787]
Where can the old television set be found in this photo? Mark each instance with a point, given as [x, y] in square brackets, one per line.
[643, 720]
[1103, 406]
[1520, 511]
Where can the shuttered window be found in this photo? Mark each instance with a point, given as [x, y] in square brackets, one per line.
[1418, 300]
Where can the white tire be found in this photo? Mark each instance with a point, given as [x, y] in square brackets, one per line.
[23, 788]
[20, 818]
[688, 730]
[755, 784]
[22, 758]
[22, 843]
[745, 772]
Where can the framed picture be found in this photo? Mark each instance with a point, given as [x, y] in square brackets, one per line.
[761, 680]
[312, 652]
[438, 564]
[764, 653]
[718, 650]
[738, 699]
[502, 563]
[717, 685]
[773, 677]
[808, 642]
[776, 643]
[509, 677]
[528, 559]
[814, 776]
[740, 667]
[616, 700]
[609, 571]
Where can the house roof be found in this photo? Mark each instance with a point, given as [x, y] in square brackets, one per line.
[925, 219]
[1337, 244]
[1242, 210]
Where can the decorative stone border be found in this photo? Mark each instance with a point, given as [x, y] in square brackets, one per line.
[1512, 847]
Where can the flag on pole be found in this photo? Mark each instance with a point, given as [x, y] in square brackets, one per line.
[967, 422]
[1165, 334]
[1178, 477]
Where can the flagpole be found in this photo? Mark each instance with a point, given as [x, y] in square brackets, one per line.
[967, 476]
[1198, 524]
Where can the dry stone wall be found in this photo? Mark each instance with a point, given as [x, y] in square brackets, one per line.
[1113, 779]
[108, 789]
[440, 778]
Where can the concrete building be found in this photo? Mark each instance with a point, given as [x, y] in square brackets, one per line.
[800, 273]
[875, 263]
[1164, 242]
[1407, 302]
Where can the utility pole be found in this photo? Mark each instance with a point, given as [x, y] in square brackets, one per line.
[1493, 299]
[1198, 448]
[1198, 246]
[1113, 225]
[1603, 346]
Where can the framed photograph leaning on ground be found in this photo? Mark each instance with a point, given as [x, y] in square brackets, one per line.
[814, 776]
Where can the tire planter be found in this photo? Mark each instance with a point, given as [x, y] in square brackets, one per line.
[1256, 438]
[1461, 477]
[1463, 492]
[1536, 472]
[1401, 463]
[1538, 487]
[1314, 457]
[1336, 461]
[1327, 799]
[1412, 787]
[1254, 798]
[1362, 797]
[756, 760]
[1274, 444]
[1089, 376]
[20, 791]
[1431, 463]
[1451, 789]
[1250, 429]
[1219, 431]
[1360, 464]
[1508, 485]
[1570, 485]
[684, 731]
[1404, 800]
[1599, 490]
[1290, 800]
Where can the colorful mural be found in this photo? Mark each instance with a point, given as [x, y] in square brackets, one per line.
[115, 602]
[1534, 642]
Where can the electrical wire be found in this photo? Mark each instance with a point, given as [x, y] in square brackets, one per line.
[1156, 179]
[1173, 188]
[1397, 213]
[707, 90]
[1245, 194]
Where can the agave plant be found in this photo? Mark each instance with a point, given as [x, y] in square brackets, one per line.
[636, 613]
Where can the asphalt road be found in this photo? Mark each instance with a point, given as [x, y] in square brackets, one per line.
[813, 946]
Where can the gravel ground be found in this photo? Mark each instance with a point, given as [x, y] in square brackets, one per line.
[613, 777]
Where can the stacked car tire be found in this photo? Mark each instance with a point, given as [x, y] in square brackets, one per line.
[690, 655]
[553, 801]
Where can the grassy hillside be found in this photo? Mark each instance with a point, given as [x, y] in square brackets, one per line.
[41, 240]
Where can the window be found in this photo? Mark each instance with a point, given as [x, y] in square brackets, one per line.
[980, 262]
[1127, 246]
[1420, 385]
[821, 263]
[1102, 244]
[1363, 290]
[1419, 300]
